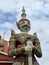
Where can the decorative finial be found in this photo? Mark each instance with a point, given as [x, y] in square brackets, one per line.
[23, 13]
[23, 10]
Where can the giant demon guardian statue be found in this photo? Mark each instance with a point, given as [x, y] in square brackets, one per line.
[24, 46]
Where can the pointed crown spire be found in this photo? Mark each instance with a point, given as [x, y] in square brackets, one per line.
[23, 13]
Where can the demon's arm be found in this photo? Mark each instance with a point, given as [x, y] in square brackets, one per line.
[37, 49]
[13, 50]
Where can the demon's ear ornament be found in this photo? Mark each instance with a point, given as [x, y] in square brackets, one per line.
[23, 24]
[18, 25]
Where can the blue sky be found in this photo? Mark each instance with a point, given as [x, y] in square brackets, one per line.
[37, 12]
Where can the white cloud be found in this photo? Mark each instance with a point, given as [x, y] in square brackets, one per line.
[6, 25]
[34, 5]
[7, 5]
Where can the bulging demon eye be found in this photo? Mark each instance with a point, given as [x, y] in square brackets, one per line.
[22, 22]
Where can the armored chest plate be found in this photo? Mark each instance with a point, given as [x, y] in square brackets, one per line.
[22, 39]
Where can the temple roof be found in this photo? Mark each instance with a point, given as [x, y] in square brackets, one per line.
[4, 57]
